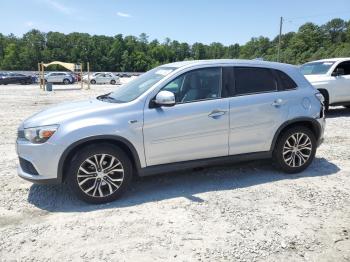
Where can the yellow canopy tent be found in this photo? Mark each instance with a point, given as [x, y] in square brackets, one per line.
[69, 66]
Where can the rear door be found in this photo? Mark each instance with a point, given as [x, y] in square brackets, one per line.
[257, 108]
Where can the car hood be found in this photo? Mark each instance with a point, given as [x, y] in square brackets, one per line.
[68, 111]
[316, 78]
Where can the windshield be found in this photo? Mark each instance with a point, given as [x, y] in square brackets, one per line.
[316, 68]
[137, 87]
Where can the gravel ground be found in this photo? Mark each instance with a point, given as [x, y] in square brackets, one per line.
[244, 212]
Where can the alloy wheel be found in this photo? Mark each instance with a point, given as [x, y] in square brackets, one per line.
[100, 175]
[297, 149]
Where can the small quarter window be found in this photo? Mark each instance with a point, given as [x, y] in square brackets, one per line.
[285, 82]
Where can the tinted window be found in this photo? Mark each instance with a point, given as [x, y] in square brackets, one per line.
[254, 80]
[285, 82]
[196, 85]
[345, 66]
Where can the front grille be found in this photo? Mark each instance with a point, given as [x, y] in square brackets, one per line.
[28, 167]
[20, 134]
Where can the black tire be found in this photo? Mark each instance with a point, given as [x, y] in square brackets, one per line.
[113, 82]
[93, 81]
[326, 99]
[75, 174]
[281, 153]
[347, 106]
[66, 81]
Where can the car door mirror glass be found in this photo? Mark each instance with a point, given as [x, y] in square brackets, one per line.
[165, 98]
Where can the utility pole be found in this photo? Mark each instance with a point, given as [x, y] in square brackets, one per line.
[279, 41]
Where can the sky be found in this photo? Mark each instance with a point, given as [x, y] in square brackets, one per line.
[206, 21]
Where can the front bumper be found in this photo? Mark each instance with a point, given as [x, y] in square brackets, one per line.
[38, 162]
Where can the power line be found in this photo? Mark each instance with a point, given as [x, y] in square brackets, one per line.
[318, 15]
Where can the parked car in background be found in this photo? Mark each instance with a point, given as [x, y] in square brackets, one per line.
[59, 77]
[123, 74]
[2, 74]
[332, 78]
[15, 78]
[104, 78]
[176, 116]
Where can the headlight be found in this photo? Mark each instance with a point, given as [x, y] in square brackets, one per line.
[39, 134]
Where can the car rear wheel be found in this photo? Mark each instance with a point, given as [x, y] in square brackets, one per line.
[93, 81]
[295, 149]
[113, 82]
[66, 81]
[99, 173]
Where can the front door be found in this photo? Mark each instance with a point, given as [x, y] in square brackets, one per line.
[342, 83]
[196, 127]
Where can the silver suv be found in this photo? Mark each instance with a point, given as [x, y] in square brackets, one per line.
[176, 116]
[59, 77]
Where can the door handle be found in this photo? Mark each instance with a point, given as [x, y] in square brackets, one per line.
[216, 113]
[278, 102]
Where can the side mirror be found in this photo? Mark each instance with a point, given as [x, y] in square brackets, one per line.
[338, 72]
[165, 98]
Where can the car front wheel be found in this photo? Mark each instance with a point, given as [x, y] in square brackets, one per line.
[113, 82]
[99, 173]
[295, 149]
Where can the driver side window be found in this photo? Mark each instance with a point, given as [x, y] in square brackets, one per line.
[343, 67]
[199, 84]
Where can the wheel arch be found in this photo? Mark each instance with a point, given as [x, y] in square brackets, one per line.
[310, 123]
[121, 142]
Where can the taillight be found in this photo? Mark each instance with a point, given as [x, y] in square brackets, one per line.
[320, 97]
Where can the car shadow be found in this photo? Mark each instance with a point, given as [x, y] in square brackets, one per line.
[338, 112]
[57, 198]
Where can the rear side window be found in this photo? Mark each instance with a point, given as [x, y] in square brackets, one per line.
[249, 80]
[285, 82]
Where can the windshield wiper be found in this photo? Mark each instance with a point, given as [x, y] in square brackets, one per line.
[104, 96]
[108, 97]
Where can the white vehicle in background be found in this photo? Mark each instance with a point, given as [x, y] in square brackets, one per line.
[332, 78]
[103, 78]
[59, 77]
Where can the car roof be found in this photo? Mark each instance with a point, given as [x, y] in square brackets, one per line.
[337, 59]
[232, 62]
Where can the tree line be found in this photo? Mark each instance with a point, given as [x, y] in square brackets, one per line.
[138, 54]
